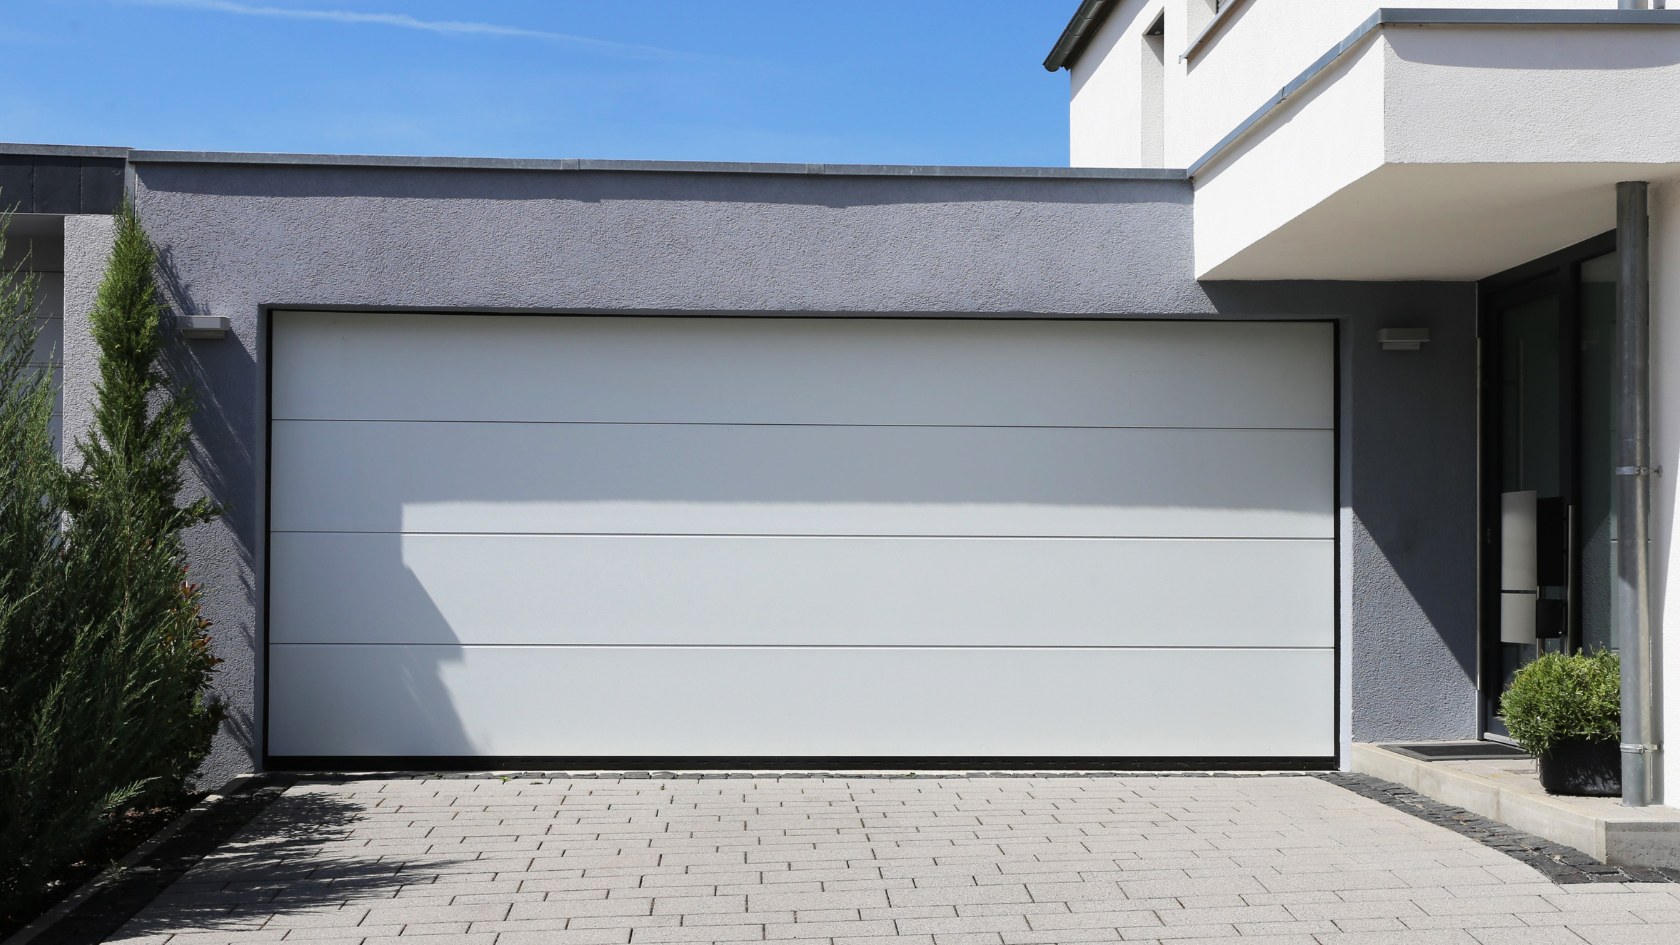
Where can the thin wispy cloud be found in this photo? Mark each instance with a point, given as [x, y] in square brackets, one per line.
[19, 37]
[441, 27]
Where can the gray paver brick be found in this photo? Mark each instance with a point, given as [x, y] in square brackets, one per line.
[1518, 936]
[959, 895]
[1374, 924]
[1141, 918]
[859, 928]
[729, 933]
[968, 938]
[1066, 892]
[736, 918]
[1013, 908]
[1179, 933]
[1060, 936]
[987, 923]
[476, 912]
[307, 918]
[855, 899]
[1254, 914]
[562, 937]
[571, 908]
[1479, 920]
[1435, 937]
[1626, 934]
[679, 904]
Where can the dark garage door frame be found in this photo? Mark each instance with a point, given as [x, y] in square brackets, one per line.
[819, 763]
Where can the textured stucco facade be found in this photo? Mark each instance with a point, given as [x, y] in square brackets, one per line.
[241, 239]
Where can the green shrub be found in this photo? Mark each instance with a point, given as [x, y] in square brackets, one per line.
[1559, 697]
[104, 659]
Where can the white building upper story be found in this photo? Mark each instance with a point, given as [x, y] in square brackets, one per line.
[1341, 139]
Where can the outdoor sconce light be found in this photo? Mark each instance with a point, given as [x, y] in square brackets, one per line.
[209, 327]
[1402, 339]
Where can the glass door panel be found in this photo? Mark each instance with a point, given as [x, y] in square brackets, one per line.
[1550, 499]
[1597, 519]
[1532, 480]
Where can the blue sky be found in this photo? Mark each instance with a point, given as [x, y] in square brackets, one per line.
[846, 81]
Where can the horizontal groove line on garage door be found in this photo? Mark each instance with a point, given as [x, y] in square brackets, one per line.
[754, 423]
[809, 646]
[869, 536]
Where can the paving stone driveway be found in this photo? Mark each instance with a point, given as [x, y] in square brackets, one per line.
[928, 860]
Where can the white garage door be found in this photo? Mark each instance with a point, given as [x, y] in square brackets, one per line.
[568, 536]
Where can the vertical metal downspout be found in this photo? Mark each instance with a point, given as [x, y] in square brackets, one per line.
[1634, 5]
[1633, 492]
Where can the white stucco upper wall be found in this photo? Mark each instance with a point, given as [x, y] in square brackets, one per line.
[1261, 46]
[1264, 44]
[1106, 113]
[1443, 152]
[1106, 123]
[1264, 182]
[1531, 94]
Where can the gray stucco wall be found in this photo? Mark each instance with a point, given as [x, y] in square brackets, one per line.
[87, 246]
[1408, 431]
[651, 242]
[236, 239]
[1414, 530]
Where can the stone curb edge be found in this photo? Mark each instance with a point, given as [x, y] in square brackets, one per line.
[1561, 864]
[102, 904]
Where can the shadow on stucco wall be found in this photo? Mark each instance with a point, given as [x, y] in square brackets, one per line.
[225, 462]
[221, 464]
[1409, 452]
[1414, 532]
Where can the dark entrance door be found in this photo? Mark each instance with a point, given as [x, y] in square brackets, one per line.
[1548, 371]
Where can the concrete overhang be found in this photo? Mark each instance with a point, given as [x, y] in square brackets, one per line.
[1444, 145]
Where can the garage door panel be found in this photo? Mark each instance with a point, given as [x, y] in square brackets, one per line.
[673, 702]
[800, 591]
[800, 480]
[557, 535]
[357, 366]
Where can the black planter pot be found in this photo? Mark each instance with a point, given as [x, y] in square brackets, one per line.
[1582, 768]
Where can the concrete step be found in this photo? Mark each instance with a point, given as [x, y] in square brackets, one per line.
[1509, 792]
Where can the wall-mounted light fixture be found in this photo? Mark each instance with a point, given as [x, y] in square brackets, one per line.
[208, 327]
[1402, 339]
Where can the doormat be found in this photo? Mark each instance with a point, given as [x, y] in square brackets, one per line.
[1457, 751]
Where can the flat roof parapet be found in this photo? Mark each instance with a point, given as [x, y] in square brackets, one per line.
[681, 167]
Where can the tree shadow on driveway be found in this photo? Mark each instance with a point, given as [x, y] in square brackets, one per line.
[300, 854]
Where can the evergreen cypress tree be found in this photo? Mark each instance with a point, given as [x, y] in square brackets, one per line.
[116, 710]
[33, 636]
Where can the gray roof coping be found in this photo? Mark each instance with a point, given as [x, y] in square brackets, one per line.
[63, 150]
[680, 167]
[1077, 35]
[1227, 12]
[1451, 16]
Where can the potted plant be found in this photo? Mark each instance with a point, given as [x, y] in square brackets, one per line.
[1566, 711]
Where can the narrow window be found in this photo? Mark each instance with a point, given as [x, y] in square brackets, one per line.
[1153, 136]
